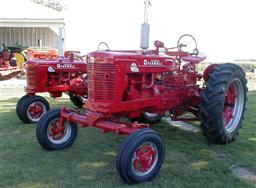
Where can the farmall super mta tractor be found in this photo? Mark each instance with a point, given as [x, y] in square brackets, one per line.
[54, 76]
[147, 83]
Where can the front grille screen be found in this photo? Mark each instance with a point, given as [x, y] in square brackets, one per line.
[101, 81]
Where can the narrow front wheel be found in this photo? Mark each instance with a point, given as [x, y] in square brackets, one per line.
[19, 107]
[140, 156]
[51, 135]
[32, 108]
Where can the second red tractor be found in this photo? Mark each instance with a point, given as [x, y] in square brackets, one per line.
[53, 76]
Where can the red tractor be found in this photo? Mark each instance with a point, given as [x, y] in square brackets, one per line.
[54, 76]
[42, 53]
[144, 85]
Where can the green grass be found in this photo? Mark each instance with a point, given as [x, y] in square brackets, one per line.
[190, 161]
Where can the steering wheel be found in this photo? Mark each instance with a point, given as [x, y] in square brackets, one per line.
[103, 44]
[185, 42]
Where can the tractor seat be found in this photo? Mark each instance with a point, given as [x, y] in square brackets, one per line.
[193, 59]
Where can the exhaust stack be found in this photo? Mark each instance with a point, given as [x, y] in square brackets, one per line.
[145, 28]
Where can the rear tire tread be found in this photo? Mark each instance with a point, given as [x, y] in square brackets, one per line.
[213, 96]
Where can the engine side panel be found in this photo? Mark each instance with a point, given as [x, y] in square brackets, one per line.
[54, 75]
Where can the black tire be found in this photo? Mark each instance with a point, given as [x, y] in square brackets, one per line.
[26, 104]
[42, 133]
[127, 151]
[151, 118]
[214, 125]
[19, 107]
[76, 100]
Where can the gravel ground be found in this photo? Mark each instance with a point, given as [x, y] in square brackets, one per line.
[13, 83]
[12, 88]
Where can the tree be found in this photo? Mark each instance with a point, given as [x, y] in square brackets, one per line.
[54, 4]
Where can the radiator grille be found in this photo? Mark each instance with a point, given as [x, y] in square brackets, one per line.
[101, 81]
[31, 75]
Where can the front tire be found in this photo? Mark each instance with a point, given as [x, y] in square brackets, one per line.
[19, 107]
[51, 136]
[33, 108]
[223, 105]
[140, 156]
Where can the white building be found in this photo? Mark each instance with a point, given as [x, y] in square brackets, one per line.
[25, 23]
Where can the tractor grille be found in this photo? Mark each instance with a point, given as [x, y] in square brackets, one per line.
[31, 75]
[101, 81]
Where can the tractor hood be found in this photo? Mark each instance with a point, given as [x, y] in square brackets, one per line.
[134, 61]
[58, 64]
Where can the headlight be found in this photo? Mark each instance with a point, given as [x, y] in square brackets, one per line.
[51, 69]
[91, 59]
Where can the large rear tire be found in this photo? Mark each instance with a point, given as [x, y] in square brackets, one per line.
[140, 156]
[53, 137]
[223, 106]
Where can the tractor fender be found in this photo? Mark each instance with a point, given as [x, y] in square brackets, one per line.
[208, 71]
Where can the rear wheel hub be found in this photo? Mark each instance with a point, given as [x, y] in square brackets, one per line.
[233, 105]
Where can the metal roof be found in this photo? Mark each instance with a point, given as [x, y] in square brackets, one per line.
[25, 13]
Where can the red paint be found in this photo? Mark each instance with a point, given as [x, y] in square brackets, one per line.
[56, 130]
[35, 110]
[127, 83]
[208, 71]
[193, 59]
[7, 70]
[144, 158]
[42, 53]
[96, 119]
[67, 76]
[72, 55]
[229, 104]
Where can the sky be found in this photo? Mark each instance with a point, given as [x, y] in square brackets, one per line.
[225, 29]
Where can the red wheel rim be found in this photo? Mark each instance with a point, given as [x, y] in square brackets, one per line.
[58, 134]
[233, 105]
[144, 158]
[36, 110]
[229, 104]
